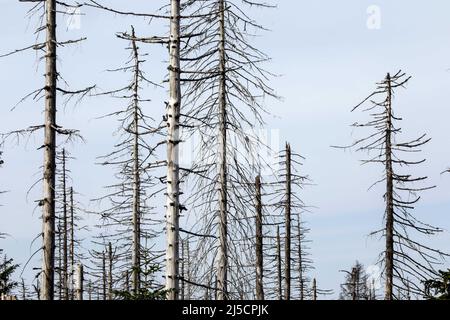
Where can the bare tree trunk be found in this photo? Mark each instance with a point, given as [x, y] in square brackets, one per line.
[90, 290]
[79, 283]
[354, 284]
[48, 210]
[259, 243]
[188, 271]
[314, 289]
[136, 256]
[72, 240]
[301, 280]
[24, 290]
[110, 273]
[279, 277]
[173, 191]
[389, 199]
[183, 256]
[37, 289]
[223, 205]
[65, 272]
[104, 275]
[127, 281]
[60, 254]
[287, 243]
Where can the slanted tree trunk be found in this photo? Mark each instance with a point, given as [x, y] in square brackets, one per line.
[259, 242]
[136, 256]
[287, 241]
[223, 205]
[279, 276]
[389, 199]
[173, 184]
[48, 203]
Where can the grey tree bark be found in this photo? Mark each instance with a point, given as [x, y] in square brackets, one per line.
[48, 203]
[173, 140]
[389, 198]
[72, 240]
[136, 257]
[279, 275]
[110, 271]
[65, 271]
[287, 241]
[259, 242]
[314, 289]
[223, 205]
[104, 276]
[79, 282]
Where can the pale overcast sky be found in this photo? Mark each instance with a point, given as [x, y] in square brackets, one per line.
[328, 59]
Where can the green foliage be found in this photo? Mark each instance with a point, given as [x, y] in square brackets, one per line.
[7, 268]
[143, 294]
[438, 289]
[148, 271]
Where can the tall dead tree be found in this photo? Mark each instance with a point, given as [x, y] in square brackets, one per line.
[65, 229]
[48, 206]
[172, 119]
[130, 212]
[104, 276]
[279, 275]
[406, 262]
[287, 217]
[303, 259]
[68, 216]
[289, 209]
[259, 242]
[48, 10]
[72, 239]
[172, 143]
[224, 86]
[110, 271]
[79, 282]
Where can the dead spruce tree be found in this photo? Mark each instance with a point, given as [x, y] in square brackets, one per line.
[356, 285]
[103, 269]
[132, 225]
[259, 240]
[289, 209]
[69, 225]
[172, 119]
[47, 11]
[224, 85]
[62, 229]
[406, 260]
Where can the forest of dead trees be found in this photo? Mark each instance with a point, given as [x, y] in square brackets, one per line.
[226, 230]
